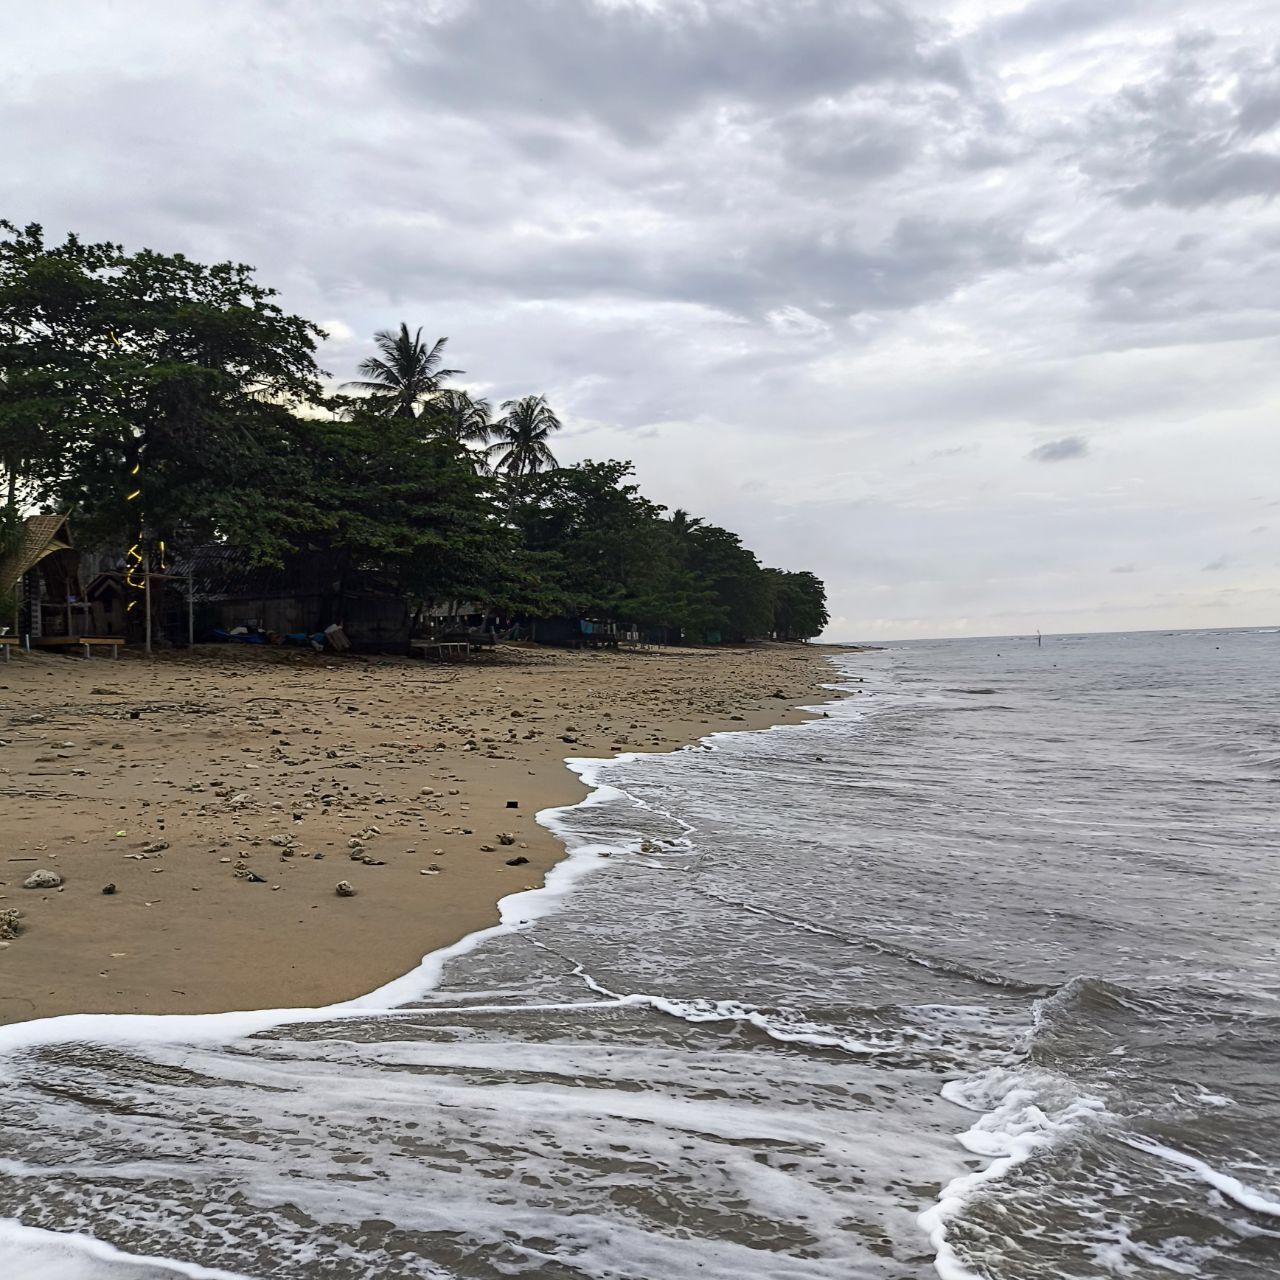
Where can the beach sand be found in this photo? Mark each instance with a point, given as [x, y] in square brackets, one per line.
[175, 778]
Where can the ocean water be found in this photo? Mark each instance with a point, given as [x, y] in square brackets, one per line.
[975, 977]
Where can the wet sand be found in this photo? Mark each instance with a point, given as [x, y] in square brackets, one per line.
[225, 794]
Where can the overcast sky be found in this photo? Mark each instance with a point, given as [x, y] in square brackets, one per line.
[970, 306]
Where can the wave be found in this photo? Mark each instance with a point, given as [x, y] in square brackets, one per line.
[1232, 1188]
[37, 1254]
[1023, 1114]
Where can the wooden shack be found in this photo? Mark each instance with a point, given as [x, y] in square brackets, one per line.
[49, 603]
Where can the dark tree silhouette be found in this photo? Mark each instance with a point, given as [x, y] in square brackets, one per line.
[522, 434]
[404, 375]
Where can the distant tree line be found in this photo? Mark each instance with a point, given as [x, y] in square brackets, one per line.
[147, 393]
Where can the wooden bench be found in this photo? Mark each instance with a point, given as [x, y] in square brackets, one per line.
[86, 643]
[7, 643]
[443, 650]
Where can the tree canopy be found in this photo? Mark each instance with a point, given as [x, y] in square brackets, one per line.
[160, 399]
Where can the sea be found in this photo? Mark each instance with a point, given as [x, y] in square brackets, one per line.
[973, 975]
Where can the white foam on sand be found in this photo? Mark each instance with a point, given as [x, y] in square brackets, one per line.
[37, 1254]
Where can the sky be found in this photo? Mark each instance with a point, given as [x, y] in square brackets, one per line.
[972, 307]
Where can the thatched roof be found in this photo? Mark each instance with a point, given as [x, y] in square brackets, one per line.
[42, 536]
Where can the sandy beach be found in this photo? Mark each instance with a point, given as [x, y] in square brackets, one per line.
[225, 794]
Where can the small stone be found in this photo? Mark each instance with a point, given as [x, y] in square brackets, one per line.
[518, 861]
[505, 837]
[10, 925]
[344, 889]
[487, 848]
[513, 804]
[42, 880]
[108, 889]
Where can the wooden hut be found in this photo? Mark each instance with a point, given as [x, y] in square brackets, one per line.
[49, 604]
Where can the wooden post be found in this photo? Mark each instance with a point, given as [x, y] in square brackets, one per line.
[146, 592]
[191, 609]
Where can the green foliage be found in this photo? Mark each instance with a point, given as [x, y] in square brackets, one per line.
[404, 373]
[799, 604]
[150, 374]
[146, 389]
[522, 434]
[399, 507]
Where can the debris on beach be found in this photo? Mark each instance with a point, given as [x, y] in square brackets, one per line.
[42, 880]
[344, 889]
[109, 889]
[505, 837]
[518, 861]
[10, 925]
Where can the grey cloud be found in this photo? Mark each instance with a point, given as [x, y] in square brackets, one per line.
[635, 68]
[1175, 139]
[1060, 450]
[1257, 97]
[1219, 285]
[747, 269]
[1125, 568]
[1215, 566]
[1045, 21]
[860, 145]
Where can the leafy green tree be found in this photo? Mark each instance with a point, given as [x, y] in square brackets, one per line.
[601, 541]
[390, 506]
[744, 604]
[146, 388]
[522, 433]
[154, 394]
[799, 604]
[404, 374]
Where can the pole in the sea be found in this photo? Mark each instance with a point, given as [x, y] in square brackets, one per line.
[1039, 641]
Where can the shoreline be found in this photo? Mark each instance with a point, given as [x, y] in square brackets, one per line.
[167, 798]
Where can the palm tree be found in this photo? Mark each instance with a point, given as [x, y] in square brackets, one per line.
[404, 373]
[523, 431]
[459, 417]
[682, 523]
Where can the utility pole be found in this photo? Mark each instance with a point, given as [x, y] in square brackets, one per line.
[146, 592]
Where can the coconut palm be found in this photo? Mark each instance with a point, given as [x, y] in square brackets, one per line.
[522, 433]
[682, 523]
[405, 373]
[460, 417]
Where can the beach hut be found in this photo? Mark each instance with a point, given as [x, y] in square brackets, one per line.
[43, 574]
